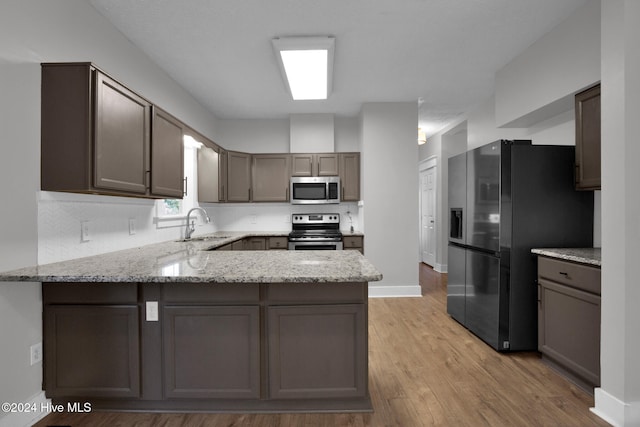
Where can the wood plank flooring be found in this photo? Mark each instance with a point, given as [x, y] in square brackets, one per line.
[425, 370]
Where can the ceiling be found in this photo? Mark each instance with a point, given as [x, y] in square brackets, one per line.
[442, 54]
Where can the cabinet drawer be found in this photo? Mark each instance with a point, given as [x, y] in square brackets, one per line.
[578, 276]
[278, 242]
[352, 242]
[297, 293]
[203, 293]
[90, 293]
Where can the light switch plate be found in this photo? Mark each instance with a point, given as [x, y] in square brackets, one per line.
[132, 226]
[152, 311]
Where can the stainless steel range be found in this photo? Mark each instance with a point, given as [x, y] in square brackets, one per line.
[315, 232]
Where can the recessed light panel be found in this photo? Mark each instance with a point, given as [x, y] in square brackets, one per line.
[306, 64]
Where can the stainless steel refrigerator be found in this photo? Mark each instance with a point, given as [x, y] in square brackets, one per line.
[506, 198]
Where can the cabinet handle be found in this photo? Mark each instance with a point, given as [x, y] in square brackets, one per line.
[185, 186]
[147, 180]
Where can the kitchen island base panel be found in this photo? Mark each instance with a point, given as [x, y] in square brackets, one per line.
[185, 361]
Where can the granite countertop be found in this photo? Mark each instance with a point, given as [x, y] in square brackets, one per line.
[352, 233]
[589, 256]
[195, 262]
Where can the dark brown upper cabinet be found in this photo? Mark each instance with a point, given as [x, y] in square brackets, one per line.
[350, 176]
[270, 175]
[209, 185]
[97, 137]
[317, 164]
[167, 155]
[587, 108]
[238, 166]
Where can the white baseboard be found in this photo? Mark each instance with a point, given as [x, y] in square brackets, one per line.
[614, 411]
[38, 408]
[394, 291]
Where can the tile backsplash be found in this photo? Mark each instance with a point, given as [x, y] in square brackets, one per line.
[60, 218]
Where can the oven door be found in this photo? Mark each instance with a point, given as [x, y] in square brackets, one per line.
[315, 246]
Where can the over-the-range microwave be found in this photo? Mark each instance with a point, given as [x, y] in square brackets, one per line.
[315, 190]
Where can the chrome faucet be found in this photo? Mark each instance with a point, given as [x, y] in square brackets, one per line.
[192, 227]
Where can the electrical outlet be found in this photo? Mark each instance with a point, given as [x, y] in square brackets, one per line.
[254, 219]
[132, 226]
[85, 231]
[287, 219]
[35, 353]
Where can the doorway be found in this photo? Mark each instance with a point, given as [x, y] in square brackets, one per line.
[428, 175]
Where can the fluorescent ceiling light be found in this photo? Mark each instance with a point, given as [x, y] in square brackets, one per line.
[306, 64]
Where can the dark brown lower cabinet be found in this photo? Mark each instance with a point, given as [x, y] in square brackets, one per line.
[317, 351]
[92, 351]
[211, 351]
[214, 347]
[569, 319]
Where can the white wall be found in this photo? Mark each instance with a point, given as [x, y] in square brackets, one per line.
[254, 135]
[31, 32]
[312, 133]
[273, 135]
[390, 195]
[540, 83]
[618, 398]
[20, 303]
[347, 134]
[482, 129]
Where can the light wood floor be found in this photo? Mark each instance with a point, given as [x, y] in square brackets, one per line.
[425, 370]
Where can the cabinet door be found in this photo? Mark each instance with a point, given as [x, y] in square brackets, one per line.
[569, 329]
[167, 155]
[278, 242]
[301, 164]
[92, 351]
[212, 352]
[353, 242]
[327, 164]
[208, 174]
[222, 176]
[122, 138]
[317, 351]
[270, 177]
[238, 176]
[350, 176]
[587, 110]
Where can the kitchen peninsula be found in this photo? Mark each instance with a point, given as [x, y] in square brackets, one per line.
[177, 326]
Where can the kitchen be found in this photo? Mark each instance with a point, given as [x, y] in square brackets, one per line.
[21, 229]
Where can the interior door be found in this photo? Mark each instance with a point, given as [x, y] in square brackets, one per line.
[427, 215]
